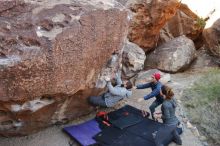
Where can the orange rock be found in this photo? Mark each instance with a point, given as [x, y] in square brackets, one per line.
[148, 20]
[211, 36]
[185, 22]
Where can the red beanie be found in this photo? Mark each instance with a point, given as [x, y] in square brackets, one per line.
[156, 76]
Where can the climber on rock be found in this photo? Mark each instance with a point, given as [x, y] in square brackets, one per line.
[114, 93]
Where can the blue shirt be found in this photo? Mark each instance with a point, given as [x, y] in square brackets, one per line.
[155, 87]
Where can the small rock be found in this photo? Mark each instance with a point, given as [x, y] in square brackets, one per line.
[189, 125]
[195, 131]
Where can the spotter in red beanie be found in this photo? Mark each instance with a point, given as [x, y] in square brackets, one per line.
[156, 76]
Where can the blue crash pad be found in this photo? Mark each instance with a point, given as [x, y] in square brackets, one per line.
[84, 132]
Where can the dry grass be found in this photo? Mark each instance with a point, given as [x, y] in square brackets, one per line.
[202, 102]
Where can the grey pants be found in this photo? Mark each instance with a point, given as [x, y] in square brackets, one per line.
[176, 136]
[154, 105]
[160, 138]
[97, 101]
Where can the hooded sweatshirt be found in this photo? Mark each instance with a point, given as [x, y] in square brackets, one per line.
[116, 93]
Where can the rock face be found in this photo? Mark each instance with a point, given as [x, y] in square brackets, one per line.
[145, 76]
[173, 56]
[212, 38]
[185, 22]
[51, 55]
[149, 16]
[132, 60]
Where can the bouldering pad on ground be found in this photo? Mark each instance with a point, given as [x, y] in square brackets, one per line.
[84, 132]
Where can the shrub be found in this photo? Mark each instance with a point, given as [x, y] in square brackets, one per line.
[200, 22]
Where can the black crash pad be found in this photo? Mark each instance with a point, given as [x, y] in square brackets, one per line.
[129, 139]
[126, 121]
[139, 133]
[108, 135]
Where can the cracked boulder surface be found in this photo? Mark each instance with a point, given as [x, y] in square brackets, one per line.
[52, 54]
[185, 22]
[212, 39]
[149, 17]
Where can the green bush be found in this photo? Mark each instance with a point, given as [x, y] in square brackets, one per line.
[200, 22]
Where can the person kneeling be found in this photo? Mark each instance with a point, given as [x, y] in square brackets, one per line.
[113, 95]
[168, 113]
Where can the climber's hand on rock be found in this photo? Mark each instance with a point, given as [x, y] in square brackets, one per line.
[107, 79]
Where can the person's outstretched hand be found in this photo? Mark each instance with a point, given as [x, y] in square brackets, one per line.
[134, 87]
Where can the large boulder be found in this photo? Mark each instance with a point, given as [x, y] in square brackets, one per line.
[51, 56]
[146, 76]
[185, 22]
[173, 56]
[149, 16]
[212, 38]
[132, 60]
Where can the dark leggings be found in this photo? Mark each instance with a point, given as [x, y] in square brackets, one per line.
[176, 135]
[162, 139]
[97, 101]
[154, 105]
